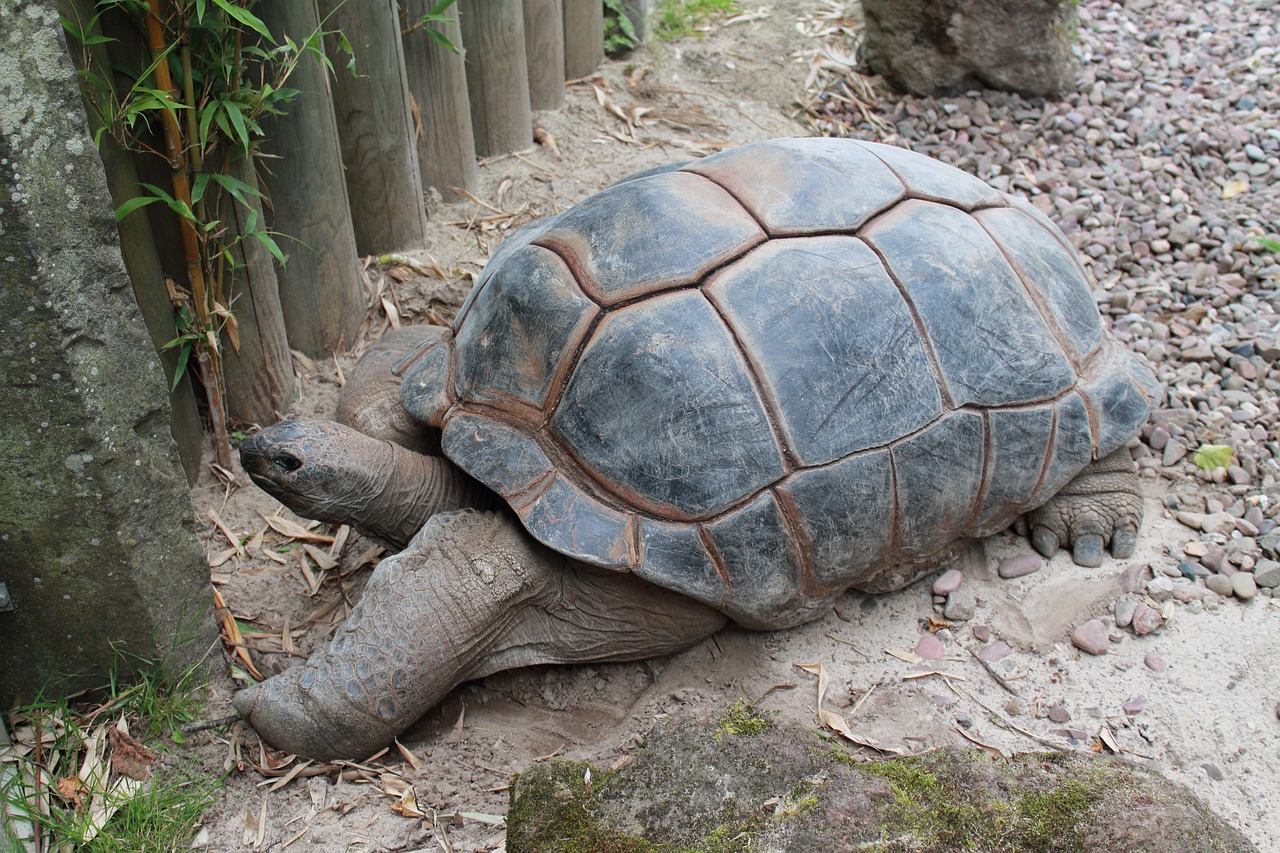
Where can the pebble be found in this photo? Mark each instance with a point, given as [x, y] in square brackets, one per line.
[929, 647]
[960, 607]
[981, 633]
[1145, 620]
[1092, 637]
[948, 582]
[999, 650]
[1212, 771]
[1154, 662]
[1213, 558]
[1221, 584]
[1266, 573]
[1160, 589]
[1124, 609]
[1134, 706]
[1017, 566]
[1244, 586]
[1059, 713]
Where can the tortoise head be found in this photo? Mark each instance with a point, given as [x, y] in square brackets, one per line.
[319, 469]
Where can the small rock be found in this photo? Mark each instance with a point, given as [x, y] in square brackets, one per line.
[948, 582]
[981, 633]
[1135, 705]
[1014, 707]
[929, 647]
[999, 650]
[1091, 637]
[1161, 589]
[1212, 771]
[1173, 452]
[1059, 713]
[1154, 662]
[1145, 620]
[1244, 586]
[1133, 578]
[1195, 549]
[1213, 558]
[1190, 519]
[960, 607]
[1159, 438]
[1266, 573]
[1017, 566]
[1192, 570]
[1124, 609]
[1187, 592]
[1221, 584]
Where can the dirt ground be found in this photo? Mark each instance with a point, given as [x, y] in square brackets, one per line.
[1209, 720]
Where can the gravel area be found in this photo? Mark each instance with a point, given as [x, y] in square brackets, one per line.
[1162, 168]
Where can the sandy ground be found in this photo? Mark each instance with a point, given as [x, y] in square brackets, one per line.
[1209, 720]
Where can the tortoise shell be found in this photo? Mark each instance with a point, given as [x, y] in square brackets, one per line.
[779, 372]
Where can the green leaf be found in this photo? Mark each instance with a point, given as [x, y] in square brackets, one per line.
[133, 204]
[232, 109]
[1211, 456]
[441, 39]
[245, 17]
[239, 190]
[198, 187]
[184, 355]
[265, 239]
[1268, 244]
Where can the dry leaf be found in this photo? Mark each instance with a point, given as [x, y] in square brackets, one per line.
[232, 632]
[69, 788]
[293, 530]
[834, 721]
[128, 756]
[322, 560]
[907, 657]
[389, 309]
[542, 136]
[1234, 187]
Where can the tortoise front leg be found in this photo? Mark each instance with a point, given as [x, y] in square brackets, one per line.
[473, 594]
[1101, 506]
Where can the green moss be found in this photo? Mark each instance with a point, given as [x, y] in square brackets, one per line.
[1047, 816]
[739, 720]
[555, 811]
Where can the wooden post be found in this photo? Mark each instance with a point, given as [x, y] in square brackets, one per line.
[142, 260]
[438, 88]
[375, 127]
[497, 75]
[544, 51]
[260, 376]
[320, 290]
[583, 37]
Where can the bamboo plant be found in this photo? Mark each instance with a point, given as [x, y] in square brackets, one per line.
[210, 74]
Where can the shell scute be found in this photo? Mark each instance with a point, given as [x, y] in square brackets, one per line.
[992, 347]
[650, 234]
[514, 339]
[839, 387]
[938, 475]
[803, 186]
[661, 407]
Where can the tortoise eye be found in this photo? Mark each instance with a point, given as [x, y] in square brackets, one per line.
[287, 461]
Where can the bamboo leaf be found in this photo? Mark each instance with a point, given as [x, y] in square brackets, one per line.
[184, 355]
[239, 190]
[266, 240]
[232, 109]
[133, 204]
[442, 40]
[198, 187]
[244, 16]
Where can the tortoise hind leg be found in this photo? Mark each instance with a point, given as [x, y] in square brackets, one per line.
[1101, 506]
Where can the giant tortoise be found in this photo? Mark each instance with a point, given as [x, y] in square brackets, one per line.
[729, 389]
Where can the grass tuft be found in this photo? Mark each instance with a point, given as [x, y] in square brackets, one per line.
[678, 18]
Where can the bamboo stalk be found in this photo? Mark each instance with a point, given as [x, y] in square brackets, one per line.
[207, 356]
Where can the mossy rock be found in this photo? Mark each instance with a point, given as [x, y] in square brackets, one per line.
[738, 782]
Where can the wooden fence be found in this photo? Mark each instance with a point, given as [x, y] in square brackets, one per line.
[349, 163]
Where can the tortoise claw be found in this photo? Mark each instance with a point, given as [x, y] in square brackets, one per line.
[1123, 542]
[1086, 550]
[1045, 541]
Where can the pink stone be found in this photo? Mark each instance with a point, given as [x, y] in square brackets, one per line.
[1022, 564]
[1154, 662]
[1092, 637]
[998, 650]
[948, 583]
[1145, 620]
[930, 648]
[1135, 705]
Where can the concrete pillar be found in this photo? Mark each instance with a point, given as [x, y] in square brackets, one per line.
[97, 542]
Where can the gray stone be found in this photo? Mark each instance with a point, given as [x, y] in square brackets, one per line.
[1266, 573]
[1124, 610]
[1243, 585]
[697, 782]
[1160, 588]
[1154, 662]
[98, 546]
[960, 607]
[1221, 584]
[947, 46]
